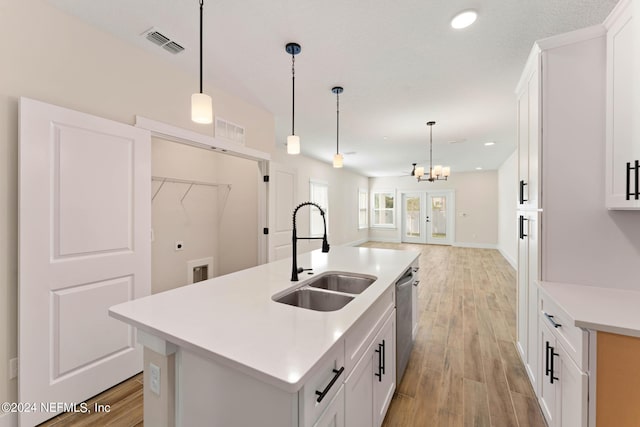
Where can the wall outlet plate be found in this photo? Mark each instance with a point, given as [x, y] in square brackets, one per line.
[154, 378]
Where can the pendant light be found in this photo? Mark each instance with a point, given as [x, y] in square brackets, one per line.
[337, 158]
[437, 173]
[201, 110]
[293, 140]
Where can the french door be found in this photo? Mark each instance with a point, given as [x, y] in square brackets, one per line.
[427, 217]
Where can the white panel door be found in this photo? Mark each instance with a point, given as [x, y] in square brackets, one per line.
[84, 233]
[283, 196]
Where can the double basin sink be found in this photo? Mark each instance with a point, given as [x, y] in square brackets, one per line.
[327, 292]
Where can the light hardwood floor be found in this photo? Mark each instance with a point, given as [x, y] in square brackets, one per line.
[464, 369]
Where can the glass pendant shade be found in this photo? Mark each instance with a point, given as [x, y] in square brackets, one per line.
[419, 171]
[201, 109]
[446, 171]
[437, 170]
[293, 144]
[338, 160]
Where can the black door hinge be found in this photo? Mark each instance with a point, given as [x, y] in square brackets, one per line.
[265, 230]
[265, 178]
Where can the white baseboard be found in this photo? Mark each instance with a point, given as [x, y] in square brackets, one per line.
[476, 245]
[510, 260]
[384, 240]
[355, 243]
[9, 420]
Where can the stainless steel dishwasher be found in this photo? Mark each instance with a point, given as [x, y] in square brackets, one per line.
[404, 307]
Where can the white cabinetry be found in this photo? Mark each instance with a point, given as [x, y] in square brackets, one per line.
[623, 102]
[369, 389]
[564, 381]
[528, 105]
[559, 127]
[333, 416]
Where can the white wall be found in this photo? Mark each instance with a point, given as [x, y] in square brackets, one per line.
[582, 241]
[507, 203]
[57, 59]
[343, 199]
[476, 196]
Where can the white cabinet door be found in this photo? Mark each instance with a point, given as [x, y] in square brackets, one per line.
[85, 221]
[572, 392]
[359, 393]
[384, 383]
[622, 146]
[547, 390]
[523, 289]
[333, 416]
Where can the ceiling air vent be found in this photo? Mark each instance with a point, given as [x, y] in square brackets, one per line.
[173, 47]
[157, 38]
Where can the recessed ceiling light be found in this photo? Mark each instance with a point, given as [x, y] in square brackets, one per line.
[478, 168]
[489, 143]
[464, 19]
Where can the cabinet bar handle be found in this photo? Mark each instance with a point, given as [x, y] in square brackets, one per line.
[522, 220]
[553, 354]
[636, 179]
[522, 199]
[547, 368]
[416, 283]
[323, 393]
[380, 362]
[553, 322]
[384, 357]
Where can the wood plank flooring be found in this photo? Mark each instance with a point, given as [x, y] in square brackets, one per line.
[464, 369]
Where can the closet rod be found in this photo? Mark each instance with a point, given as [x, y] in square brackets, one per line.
[191, 183]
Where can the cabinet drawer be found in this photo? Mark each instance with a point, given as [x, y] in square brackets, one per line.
[327, 378]
[362, 333]
[574, 340]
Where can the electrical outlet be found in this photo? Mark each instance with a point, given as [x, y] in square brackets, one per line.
[154, 378]
[13, 368]
[179, 245]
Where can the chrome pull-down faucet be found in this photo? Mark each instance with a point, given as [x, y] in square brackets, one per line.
[295, 238]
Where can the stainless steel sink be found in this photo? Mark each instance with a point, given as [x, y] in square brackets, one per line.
[343, 282]
[314, 299]
[327, 292]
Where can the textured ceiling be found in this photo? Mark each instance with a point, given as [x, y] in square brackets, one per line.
[399, 61]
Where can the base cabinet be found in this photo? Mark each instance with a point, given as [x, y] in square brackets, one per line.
[563, 392]
[333, 416]
[369, 389]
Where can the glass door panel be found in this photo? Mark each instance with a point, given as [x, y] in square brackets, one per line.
[413, 229]
[438, 218]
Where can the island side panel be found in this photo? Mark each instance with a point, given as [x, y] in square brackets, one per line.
[617, 380]
[209, 393]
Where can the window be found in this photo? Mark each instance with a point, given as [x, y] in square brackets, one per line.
[384, 209]
[318, 193]
[363, 208]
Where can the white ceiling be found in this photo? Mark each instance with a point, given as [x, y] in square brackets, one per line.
[399, 61]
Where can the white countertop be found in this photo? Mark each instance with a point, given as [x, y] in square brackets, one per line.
[600, 309]
[233, 320]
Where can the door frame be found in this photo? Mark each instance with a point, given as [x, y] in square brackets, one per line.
[424, 210]
[195, 139]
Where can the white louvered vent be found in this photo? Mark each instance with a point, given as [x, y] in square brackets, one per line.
[173, 47]
[231, 131]
[157, 38]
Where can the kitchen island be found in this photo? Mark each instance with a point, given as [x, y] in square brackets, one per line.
[240, 357]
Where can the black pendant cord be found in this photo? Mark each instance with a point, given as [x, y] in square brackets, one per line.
[201, 4]
[338, 123]
[430, 151]
[293, 94]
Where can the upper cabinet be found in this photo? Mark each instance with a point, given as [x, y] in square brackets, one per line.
[528, 94]
[623, 99]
